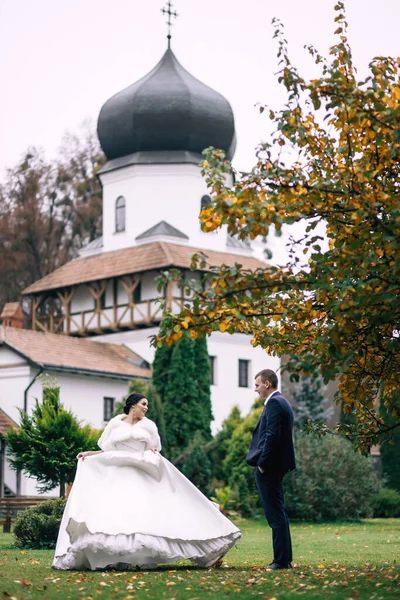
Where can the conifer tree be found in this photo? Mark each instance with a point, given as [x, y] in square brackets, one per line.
[161, 367]
[197, 465]
[46, 443]
[202, 372]
[180, 399]
[221, 444]
[309, 399]
[181, 379]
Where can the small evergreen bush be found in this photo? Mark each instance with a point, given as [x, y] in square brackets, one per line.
[37, 527]
[331, 482]
[387, 504]
[196, 465]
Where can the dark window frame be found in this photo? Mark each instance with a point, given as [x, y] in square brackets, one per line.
[108, 408]
[212, 361]
[243, 373]
[120, 214]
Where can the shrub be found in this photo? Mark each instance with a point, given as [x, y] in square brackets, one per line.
[387, 503]
[196, 465]
[37, 527]
[219, 448]
[332, 481]
[224, 497]
[239, 476]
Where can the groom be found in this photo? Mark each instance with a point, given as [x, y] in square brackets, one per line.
[272, 453]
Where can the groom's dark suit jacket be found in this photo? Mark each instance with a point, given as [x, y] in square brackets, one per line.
[271, 447]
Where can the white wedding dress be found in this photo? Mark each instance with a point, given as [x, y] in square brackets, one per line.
[129, 505]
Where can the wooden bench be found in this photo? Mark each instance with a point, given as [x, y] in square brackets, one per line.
[11, 505]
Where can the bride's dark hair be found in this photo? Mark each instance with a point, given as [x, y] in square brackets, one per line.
[132, 400]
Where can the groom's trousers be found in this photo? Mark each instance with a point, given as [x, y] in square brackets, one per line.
[270, 489]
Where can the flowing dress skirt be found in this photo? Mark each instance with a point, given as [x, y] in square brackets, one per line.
[137, 508]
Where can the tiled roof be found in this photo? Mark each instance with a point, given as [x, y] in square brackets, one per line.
[147, 257]
[10, 309]
[5, 422]
[61, 352]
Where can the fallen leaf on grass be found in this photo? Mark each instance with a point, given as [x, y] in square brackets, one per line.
[23, 582]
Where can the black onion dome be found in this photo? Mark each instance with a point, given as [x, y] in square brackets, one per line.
[168, 109]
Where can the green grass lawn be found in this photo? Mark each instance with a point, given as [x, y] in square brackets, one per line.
[334, 561]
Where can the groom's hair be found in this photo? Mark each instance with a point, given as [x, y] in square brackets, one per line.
[268, 375]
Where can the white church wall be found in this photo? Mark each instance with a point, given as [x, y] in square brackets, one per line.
[9, 357]
[154, 193]
[10, 477]
[84, 395]
[13, 381]
[226, 393]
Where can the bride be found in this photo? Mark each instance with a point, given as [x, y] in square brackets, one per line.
[129, 505]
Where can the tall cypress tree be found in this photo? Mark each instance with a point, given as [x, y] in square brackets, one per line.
[202, 371]
[181, 376]
[161, 367]
[181, 407]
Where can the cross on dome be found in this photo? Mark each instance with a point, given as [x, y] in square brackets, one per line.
[171, 13]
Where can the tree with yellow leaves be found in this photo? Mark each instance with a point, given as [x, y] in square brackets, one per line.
[333, 161]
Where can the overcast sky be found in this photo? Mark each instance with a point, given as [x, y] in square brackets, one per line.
[60, 61]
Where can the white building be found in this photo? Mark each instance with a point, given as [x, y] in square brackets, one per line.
[152, 134]
[92, 378]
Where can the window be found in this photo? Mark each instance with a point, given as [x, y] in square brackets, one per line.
[212, 363]
[120, 214]
[205, 201]
[108, 408]
[243, 373]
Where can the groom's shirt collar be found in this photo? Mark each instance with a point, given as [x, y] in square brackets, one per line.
[266, 399]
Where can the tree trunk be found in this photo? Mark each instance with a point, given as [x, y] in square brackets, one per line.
[62, 488]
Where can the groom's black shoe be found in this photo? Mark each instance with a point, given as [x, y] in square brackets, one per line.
[276, 567]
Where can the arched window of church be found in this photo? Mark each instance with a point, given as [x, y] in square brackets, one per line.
[120, 214]
[205, 201]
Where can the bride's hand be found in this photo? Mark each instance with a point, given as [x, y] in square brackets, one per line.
[82, 455]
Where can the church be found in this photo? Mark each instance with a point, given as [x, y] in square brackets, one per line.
[91, 319]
